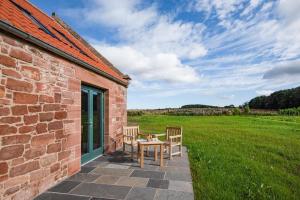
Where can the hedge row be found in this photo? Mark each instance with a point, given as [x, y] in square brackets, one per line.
[290, 111]
[201, 112]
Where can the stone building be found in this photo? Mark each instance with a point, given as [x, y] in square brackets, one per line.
[62, 103]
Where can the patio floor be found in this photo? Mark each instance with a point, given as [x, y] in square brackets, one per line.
[117, 177]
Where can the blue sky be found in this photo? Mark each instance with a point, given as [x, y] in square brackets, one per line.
[215, 52]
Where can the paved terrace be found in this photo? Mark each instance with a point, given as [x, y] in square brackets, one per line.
[116, 177]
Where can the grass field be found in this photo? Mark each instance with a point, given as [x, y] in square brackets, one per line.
[238, 157]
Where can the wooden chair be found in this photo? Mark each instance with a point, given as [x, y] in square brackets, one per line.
[173, 138]
[130, 136]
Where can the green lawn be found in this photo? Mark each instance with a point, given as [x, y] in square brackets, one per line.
[238, 157]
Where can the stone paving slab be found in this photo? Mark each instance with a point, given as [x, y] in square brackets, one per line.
[181, 186]
[173, 195]
[85, 169]
[183, 176]
[117, 166]
[158, 183]
[118, 177]
[133, 181]
[61, 196]
[148, 174]
[84, 177]
[178, 164]
[64, 187]
[96, 164]
[101, 190]
[141, 194]
[107, 179]
[110, 171]
[146, 167]
[175, 169]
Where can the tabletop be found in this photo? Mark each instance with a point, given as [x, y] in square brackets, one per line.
[151, 142]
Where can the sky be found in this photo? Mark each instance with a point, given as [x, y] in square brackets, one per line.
[177, 52]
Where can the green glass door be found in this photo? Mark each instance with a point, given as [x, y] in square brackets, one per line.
[92, 123]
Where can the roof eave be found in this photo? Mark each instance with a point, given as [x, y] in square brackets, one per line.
[19, 33]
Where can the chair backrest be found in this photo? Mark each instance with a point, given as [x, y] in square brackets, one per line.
[174, 131]
[131, 131]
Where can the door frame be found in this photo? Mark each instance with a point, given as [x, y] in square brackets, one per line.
[92, 154]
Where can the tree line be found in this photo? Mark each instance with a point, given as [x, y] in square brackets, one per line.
[198, 106]
[282, 99]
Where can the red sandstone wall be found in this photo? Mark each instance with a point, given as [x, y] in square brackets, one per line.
[40, 118]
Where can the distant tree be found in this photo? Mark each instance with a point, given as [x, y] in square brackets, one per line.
[277, 100]
[229, 106]
[258, 102]
[198, 106]
[236, 111]
[247, 109]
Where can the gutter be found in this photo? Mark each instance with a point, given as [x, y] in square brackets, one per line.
[11, 29]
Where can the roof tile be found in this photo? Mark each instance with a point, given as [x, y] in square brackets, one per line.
[71, 45]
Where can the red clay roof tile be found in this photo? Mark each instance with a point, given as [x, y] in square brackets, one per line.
[9, 12]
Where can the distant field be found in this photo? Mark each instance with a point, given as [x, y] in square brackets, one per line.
[238, 157]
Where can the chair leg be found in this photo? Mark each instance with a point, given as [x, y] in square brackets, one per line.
[180, 149]
[170, 152]
[131, 152]
[139, 153]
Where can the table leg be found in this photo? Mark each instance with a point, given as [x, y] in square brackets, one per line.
[142, 156]
[155, 153]
[147, 151]
[138, 153]
[161, 156]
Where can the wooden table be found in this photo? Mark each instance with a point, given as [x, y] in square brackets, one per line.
[155, 144]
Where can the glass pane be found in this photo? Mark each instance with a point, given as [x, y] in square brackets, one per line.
[84, 121]
[97, 121]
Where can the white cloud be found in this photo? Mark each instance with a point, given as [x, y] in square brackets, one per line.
[153, 45]
[252, 5]
[159, 66]
[222, 9]
[288, 33]
[273, 23]
[289, 10]
[289, 70]
[167, 36]
[232, 96]
[120, 14]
